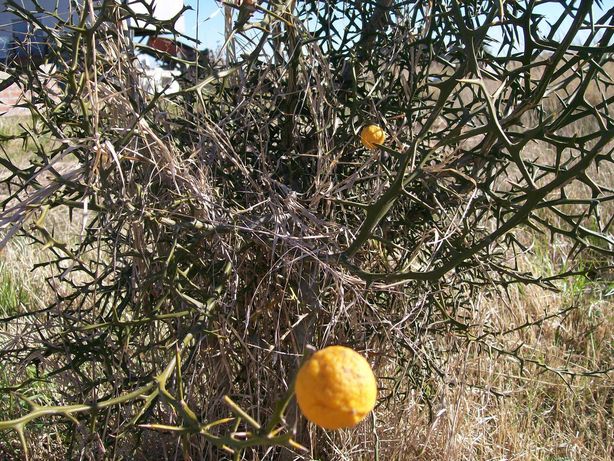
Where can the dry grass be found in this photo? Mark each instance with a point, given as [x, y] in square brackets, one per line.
[489, 406]
[492, 409]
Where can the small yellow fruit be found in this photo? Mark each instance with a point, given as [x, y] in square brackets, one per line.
[336, 388]
[372, 135]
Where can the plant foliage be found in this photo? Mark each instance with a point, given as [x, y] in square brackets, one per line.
[224, 228]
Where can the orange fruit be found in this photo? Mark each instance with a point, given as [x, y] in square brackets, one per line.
[372, 135]
[335, 388]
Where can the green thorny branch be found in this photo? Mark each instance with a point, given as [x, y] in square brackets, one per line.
[268, 435]
[494, 127]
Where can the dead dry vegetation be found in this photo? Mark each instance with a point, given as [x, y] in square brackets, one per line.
[162, 252]
[486, 405]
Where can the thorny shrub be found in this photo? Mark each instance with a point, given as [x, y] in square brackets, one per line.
[224, 228]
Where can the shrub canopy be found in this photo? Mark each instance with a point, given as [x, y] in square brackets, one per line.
[220, 230]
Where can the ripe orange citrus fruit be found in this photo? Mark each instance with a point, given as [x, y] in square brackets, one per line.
[336, 388]
[371, 136]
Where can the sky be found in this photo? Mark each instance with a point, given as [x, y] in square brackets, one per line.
[209, 22]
